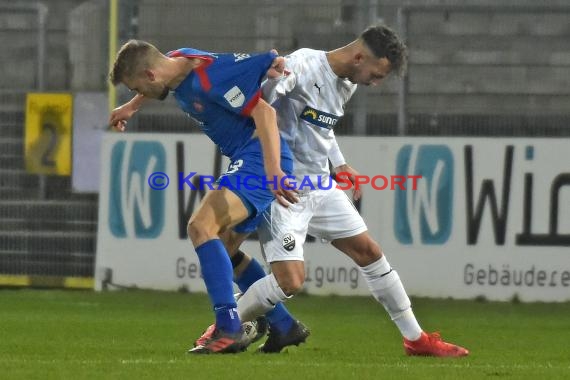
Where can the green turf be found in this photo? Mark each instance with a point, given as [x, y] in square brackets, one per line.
[144, 335]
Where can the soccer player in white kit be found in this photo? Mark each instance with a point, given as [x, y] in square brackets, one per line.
[310, 98]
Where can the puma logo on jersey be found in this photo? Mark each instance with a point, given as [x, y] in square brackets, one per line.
[318, 87]
[319, 118]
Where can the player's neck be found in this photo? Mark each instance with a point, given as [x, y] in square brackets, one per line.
[340, 59]
[181, 67]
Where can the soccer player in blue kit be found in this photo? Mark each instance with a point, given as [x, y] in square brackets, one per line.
[222, 92]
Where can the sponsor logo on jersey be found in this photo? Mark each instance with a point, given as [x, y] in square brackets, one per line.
[319, 118]
[240, 56]
[235, 97]
[288, 242]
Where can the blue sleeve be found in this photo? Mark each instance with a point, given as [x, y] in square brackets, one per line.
[236, 80]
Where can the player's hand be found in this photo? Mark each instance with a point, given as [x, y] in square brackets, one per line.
[283, 190]
[356, 193]
[119, 117]
[277, 67]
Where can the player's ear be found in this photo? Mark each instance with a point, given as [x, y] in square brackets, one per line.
[150, 75]
[358, 58]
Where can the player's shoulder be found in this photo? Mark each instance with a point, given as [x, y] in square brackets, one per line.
[303, 60]
[190, 53]
[306, 53]
[260, 60]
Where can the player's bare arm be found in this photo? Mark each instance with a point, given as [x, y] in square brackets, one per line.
[120, 115]
[277, 67]
[340, 166]
[265, 120]
[345, 168]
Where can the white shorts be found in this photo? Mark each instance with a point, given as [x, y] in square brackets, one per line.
[325, 214]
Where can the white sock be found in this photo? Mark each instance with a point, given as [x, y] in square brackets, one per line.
[386, 287]
[261, 297]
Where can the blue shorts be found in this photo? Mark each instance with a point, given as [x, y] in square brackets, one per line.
[246, 178]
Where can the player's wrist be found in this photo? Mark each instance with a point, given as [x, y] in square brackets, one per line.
[273, 172]
[342, 168]
[272, 165]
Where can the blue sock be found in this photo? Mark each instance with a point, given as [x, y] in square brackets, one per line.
[253, 272]
[218, 275]
[279, 317]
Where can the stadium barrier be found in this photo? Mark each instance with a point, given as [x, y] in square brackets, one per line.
[488, 218]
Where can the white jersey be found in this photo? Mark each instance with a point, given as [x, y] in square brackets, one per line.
[309, 99]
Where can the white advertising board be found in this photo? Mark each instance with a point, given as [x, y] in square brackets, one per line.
[488, 217]
[90, 113]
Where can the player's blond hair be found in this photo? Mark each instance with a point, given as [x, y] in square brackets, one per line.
[133, 57]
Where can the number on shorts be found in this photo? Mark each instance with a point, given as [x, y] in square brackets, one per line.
[234, 167]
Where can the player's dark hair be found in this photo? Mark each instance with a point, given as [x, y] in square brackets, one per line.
[132, 56]
[385, 43]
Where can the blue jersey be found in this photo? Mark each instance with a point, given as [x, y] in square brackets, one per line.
[221, 93]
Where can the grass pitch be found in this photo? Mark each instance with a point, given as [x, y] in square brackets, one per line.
[46, 334]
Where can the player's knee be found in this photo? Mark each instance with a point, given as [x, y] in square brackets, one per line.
[373, 251]
[368, 253]
[193, 231]
[290, 275]
[199, 232]
[291, 288]
[291, 285]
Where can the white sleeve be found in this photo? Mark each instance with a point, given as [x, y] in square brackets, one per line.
[274, 88]
[335, 155]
